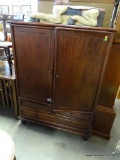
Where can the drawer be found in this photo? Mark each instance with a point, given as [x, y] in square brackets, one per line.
[27, 113]
[53, 119]
[75, 114]
[61, 121]
[35, 105]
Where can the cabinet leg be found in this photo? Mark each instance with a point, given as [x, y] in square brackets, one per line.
[23, 122]
[85, 138]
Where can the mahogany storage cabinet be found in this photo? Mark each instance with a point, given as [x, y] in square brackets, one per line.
[59, 71]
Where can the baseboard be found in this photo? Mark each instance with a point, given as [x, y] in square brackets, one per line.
[98, 134]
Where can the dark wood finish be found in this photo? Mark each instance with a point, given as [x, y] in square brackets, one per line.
[106, 116]
[111, 79]
[76, 59]
[63, 92]
[77, 115]
[109, 88]
[35, 55]
[15, 101]
[8, 88]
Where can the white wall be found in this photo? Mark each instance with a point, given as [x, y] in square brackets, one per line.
[19, 3]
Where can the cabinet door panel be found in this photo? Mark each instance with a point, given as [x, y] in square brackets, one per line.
[79, 61]
[34, 59]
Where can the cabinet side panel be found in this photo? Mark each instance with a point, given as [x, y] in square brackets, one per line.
[111, 79]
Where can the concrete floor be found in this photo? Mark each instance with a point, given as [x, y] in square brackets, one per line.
[36, 142]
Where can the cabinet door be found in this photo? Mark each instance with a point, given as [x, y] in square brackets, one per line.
[34, 62]
[79, 59]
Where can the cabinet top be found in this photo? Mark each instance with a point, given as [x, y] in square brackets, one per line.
[52, 26]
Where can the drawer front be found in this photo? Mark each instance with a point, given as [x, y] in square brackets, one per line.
[61, 121]
[35, 105]
[27, 113]
[75, 114]
[53, 119]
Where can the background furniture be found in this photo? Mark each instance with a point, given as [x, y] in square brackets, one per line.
[46, 7]
[4, 9]
[64, 15]
[63, 92]
[6, 29]
[8, 89]
[7, 150]
[17, 7]
[6, 18]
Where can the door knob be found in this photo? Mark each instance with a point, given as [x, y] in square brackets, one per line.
[49, 99]
[49, 72]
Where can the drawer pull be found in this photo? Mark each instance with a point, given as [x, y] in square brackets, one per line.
[57, 76]
[49, 99]
[49, 72]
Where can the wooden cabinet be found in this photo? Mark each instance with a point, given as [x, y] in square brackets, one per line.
[35, 63]
[79, 59]
[59, 71]
[105, 112]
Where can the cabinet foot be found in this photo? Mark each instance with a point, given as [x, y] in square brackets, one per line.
[23, 122]
[85, 138]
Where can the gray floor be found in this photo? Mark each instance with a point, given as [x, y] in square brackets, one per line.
[35, 142]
